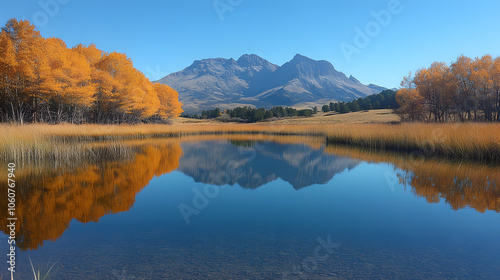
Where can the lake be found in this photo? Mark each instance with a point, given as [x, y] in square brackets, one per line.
[254, 207]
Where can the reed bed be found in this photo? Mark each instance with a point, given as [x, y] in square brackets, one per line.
[34, 142]
[471, 141]
[100, 132]
[463, 141]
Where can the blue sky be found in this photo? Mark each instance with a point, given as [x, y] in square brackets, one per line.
[162, 37]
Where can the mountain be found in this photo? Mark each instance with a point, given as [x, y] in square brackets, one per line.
[254, 81]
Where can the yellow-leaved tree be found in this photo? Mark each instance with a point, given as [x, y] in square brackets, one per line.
[42, 80]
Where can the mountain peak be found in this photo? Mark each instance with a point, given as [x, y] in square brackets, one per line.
[252, 80]
[248, 60]
[231, 61]
[299, 57]
[312, 68]
[250, 57]
[252, 64]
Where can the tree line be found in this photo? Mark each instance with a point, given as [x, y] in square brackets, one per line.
[467, 90]
[42, 80]
[384, 100]
[249, 114]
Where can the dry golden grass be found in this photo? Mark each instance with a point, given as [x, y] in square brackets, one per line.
[475, 141]
[373, 116]
[32, 132]
[461, 141]
[182, 120]
[38, 141]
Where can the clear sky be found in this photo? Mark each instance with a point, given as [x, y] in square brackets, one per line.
[162, 37]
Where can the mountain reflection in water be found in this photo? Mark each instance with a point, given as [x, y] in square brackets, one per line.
[50, 198]
[251, 166]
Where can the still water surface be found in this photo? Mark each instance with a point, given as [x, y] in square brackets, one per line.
[281, 208]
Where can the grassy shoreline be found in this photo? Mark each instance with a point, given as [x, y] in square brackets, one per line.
[459, 141]
[463, 141]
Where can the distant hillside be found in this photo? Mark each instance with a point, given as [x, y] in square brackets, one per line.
[252, 80]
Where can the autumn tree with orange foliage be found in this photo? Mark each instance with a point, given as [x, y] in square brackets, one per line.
[167, 96]
[42, 80]
[411, 102]
[467, 90]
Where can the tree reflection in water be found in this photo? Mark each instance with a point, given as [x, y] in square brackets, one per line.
[48, 199]
[460, 184]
